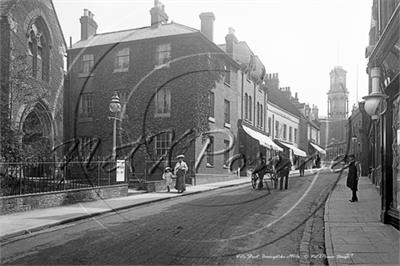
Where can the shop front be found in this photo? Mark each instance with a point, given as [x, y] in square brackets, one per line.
[383, 105]
[254, 143]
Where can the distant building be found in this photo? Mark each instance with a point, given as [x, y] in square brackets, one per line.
[32, 59]
[294, 125]
[333, 134]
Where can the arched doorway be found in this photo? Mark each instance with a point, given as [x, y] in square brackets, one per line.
[37, 134]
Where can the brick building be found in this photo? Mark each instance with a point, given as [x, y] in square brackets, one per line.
[32, 59]
[175, 85]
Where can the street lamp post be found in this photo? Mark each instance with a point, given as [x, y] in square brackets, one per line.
[115, 107]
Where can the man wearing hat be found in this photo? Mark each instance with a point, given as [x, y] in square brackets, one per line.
[180, 172]
[352, 177]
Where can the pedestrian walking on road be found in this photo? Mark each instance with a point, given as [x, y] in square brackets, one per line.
[352, 177]
[317, 161]
[302, 165]
[180, 170]
[168, 177]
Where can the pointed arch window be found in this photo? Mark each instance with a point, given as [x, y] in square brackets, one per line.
[39, 50]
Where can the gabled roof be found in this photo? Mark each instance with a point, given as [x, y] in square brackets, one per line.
[6, 6]
[143, 33]
[276, 97]
[243, 54]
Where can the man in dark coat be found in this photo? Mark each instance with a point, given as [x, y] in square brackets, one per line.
[302, 166]
[261, 169]
[352, 177]
[317, 161]
[282, 168]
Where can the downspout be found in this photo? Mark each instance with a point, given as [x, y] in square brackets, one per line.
[242, 96]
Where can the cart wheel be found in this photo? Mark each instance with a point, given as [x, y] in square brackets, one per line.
[254, 180]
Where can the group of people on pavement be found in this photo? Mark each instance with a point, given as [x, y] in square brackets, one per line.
[178, 174]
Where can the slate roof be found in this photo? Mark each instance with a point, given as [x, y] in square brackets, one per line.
[129, 35]
[276, 97]
[6, 6]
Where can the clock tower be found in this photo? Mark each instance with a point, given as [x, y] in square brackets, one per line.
[338, 100]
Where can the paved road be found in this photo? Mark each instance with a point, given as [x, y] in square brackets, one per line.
[237, 225]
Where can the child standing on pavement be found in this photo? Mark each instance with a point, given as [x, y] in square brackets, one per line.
[168, 176]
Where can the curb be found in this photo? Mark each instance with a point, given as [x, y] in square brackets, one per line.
[328, 240]
[6, 237]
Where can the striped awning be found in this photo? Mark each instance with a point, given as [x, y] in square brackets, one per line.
[295, 150]
[318, 148]
[263, 139]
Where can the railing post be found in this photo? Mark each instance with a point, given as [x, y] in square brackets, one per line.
[20, 180]
[98, 173]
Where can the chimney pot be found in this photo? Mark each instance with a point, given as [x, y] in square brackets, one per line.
[85, 12]
[231, 31]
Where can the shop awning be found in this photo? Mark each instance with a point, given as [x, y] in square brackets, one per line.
[263, 139]
[295, 150]
[318, 148]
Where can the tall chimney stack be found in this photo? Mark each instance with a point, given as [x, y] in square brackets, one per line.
[272, 81]
[88, 25]
[158, 15]
[207, 24]
[231, 42]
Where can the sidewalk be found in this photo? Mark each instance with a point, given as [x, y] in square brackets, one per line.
[353, 231]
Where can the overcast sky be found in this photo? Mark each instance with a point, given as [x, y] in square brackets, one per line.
[302, 40]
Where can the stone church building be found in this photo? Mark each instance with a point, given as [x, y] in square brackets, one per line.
[32, 58]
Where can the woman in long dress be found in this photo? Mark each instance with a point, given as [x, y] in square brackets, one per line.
[180, 172]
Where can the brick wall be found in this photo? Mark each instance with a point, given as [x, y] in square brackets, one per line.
[52, 199]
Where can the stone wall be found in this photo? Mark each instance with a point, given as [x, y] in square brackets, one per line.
[52, 199]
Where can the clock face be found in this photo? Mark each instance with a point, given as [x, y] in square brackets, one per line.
[341, 79]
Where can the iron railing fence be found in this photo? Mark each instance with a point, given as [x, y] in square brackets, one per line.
[18, 178]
